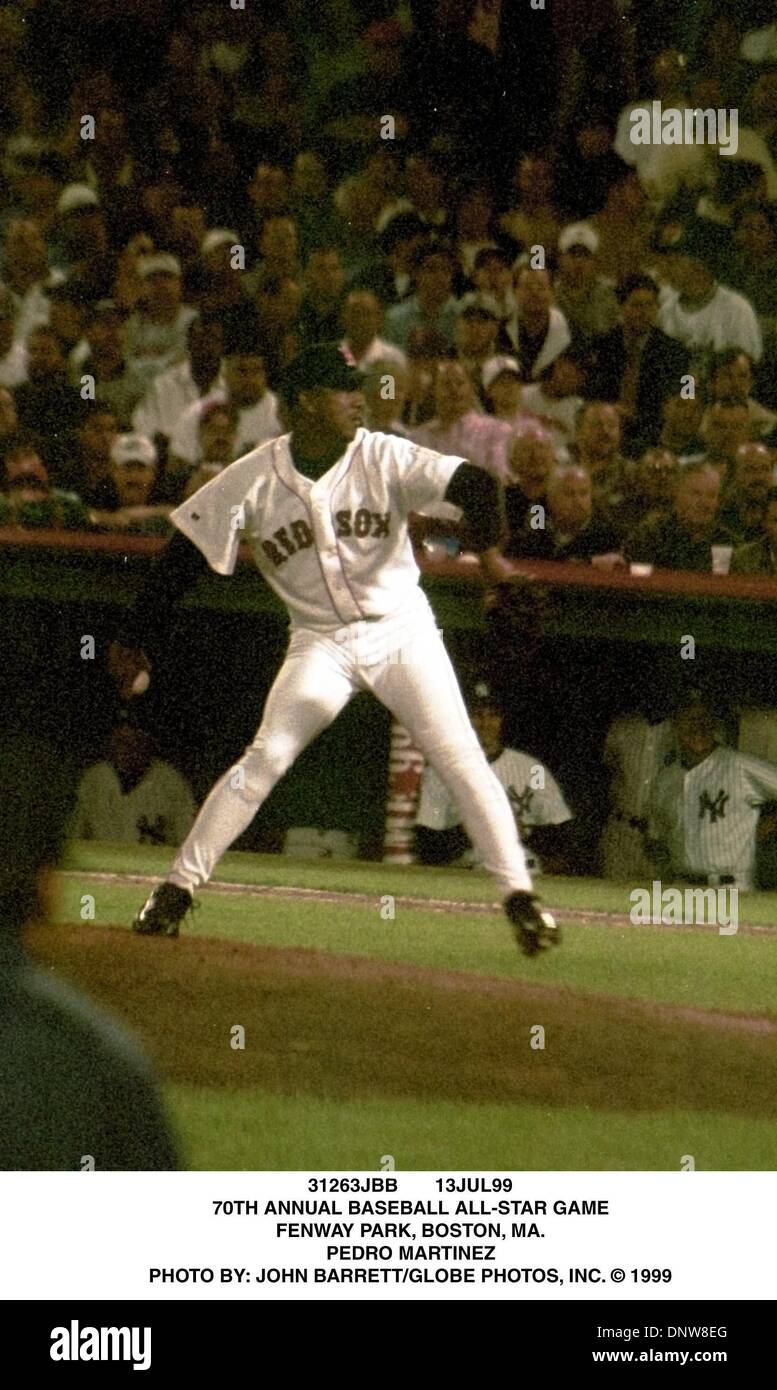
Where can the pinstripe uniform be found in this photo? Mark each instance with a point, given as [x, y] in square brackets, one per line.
[518, 773]
[635, 751]
[707, 816]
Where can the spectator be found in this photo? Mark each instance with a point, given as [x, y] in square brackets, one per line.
[760, 556]
[278, 247]
[536, 798]
[26, 274]
[197, 376]
[322, 299]
[705, 786]
[218, 427]
[91, 267]
[753, 262]
[134, 472]
[132, 797]
[9, 420]
[650, 486]
[245, 388]
[637, 365]
[425, 190]
[684, 539]
[425, 350]
[556, 400]
[574, 530]
[492, 276]
[597, 449]
[732, 379]
[681, 419]
[531, 459]
[222, 285]
[474, 223]
[586, 299]
[459, 428]
[535, 220]
[99, 367]
[725, 426]
[475, 337]
[701, 313]
[156, 330]
[503, 389]
[538, 330]
[385, 393]
[27, 497]
[87, 469]
[432, 307]
[13, 353]
[362, 321]
[46, 403]
[277, 307]
[392, 278]
[743, 506]
[67, 319]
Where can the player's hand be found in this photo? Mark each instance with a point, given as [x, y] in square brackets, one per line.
[495, 567]
[129, 668]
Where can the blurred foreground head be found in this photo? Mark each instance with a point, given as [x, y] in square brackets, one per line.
[37, 790]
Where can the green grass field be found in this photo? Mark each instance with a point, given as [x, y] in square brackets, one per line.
[412, 1036]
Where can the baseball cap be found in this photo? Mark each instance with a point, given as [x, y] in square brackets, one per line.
[494, 366]
[328, 365]
[75, 197]
[161, 263]
[133, 448]
[579, 234]
[217, 236]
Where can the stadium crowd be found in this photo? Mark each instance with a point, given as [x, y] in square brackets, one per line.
[191, 193]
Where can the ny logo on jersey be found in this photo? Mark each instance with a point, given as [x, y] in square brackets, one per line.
[297, 536]
[521, 801]
[716, 808]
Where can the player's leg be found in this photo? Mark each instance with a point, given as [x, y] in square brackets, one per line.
[419, 686]
[312, 687]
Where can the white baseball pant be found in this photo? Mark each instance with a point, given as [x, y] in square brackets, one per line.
[403, 661]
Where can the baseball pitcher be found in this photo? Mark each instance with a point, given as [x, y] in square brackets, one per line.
[324, 510]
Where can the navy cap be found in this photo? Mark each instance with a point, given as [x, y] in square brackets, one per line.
[328, 365]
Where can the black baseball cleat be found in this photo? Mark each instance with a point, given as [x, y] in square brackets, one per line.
[533, 929]
[163, 911]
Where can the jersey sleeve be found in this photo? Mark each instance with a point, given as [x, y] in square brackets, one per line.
[215, 518]
[761, 779]
[436, 807]
[551, 807]
[423, 475]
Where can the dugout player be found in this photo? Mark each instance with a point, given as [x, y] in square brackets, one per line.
[324, 510]
[705, 806]
[537, 800]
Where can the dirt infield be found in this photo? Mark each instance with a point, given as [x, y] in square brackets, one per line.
[343, 1026]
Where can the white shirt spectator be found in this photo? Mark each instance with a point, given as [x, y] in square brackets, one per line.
[534, 795]
[379, 350]
[727, 320]
[558, 416]
[255, 424]
[13, 367]
[158, 810]
[163, 405]
[557, 338]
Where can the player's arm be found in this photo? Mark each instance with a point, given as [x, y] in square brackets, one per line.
[175, 570]
[476, 493]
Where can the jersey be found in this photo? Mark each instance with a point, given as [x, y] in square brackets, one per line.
[519, 774]
[635, 751]
[158, 811]
[336, 550]
[707, 815]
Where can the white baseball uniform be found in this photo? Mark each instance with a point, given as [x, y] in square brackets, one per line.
[337, 552]
[635, 751]
[158, 810]
[707, 815]
[534, 795]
